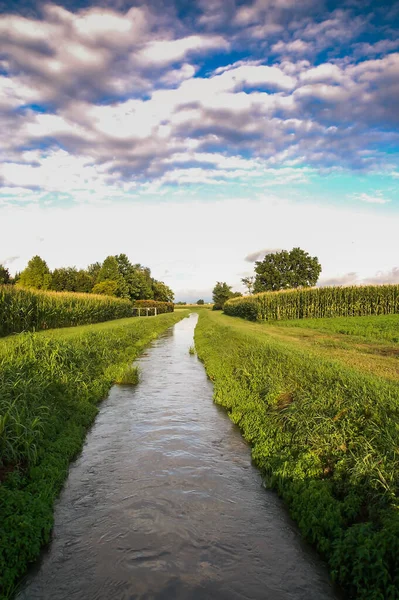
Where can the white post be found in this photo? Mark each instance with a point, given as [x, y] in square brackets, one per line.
[155, 311]
[147, 311]
[139, 311]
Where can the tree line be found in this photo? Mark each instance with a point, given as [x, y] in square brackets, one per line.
[116, 276]
[277, 271]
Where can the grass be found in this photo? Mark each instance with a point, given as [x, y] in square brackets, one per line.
[369, 353]
[50, 385]
[324, 432]
[128, 376]
[191, 350]
[384, 328]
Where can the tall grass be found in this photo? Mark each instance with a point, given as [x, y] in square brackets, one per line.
[49, 388]
[326, 437]
[316, 303]
[30, 310]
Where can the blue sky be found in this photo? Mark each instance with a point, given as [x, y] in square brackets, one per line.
[193, 135]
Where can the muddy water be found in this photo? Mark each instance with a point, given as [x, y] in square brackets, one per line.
[163, 502]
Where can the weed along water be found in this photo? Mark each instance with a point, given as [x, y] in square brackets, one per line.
[163, 502]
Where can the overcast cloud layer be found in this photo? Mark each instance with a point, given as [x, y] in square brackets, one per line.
[257, 104]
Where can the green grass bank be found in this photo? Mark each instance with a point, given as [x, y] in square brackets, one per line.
[385, 328]
[325, 436]
[50, 385]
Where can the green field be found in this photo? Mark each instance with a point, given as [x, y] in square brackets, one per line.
[50, 385]
[320, 409]
[384, 328]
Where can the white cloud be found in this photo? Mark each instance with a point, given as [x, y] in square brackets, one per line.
[294, 47]
[376, 198]
[169, 51]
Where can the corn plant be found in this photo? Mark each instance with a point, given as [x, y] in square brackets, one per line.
[316, 303]
[33, 310]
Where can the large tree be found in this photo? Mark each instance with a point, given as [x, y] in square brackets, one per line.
[221, 293]
[69, 279]
[162, 292]
[36, 275]
[110, 272]
[284, 270]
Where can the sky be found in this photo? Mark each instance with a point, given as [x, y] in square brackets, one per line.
[197, 136]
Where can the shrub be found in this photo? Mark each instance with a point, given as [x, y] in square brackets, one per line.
[162, 307]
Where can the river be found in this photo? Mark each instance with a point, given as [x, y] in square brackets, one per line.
[163, 502]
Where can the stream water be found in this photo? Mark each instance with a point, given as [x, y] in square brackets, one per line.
[163, 502]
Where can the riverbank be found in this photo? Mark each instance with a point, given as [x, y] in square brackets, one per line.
[323, 427]
[50, 384]
[163, 502]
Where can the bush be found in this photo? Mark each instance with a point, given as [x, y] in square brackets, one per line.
[162, 307]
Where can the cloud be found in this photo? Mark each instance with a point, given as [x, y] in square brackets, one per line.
[339, 280]
[170, 51]
[380, 47]
[9, 260]
[126, 93]
[94, 52]
[380, 278]
[295, 47]
[260, 254]
[376, 198]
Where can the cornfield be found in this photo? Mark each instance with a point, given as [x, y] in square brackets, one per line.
[316, 303]
[28, 310]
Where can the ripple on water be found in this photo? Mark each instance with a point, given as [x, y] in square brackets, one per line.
[163, 502]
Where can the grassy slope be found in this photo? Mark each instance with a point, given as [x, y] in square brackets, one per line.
[383, 328]
[370, 348]
[324, 431]
[50, 383]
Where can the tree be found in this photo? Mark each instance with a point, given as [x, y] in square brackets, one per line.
[125, 267]
[162, 292]
[93, 270]
[64, 279]
[140, 285]
[221, 293]
[84, 282]
[284, 270]
[249, 283]
[108, 287]
[200, 302]
[110, 272]
[5, 276]
[36, 275]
